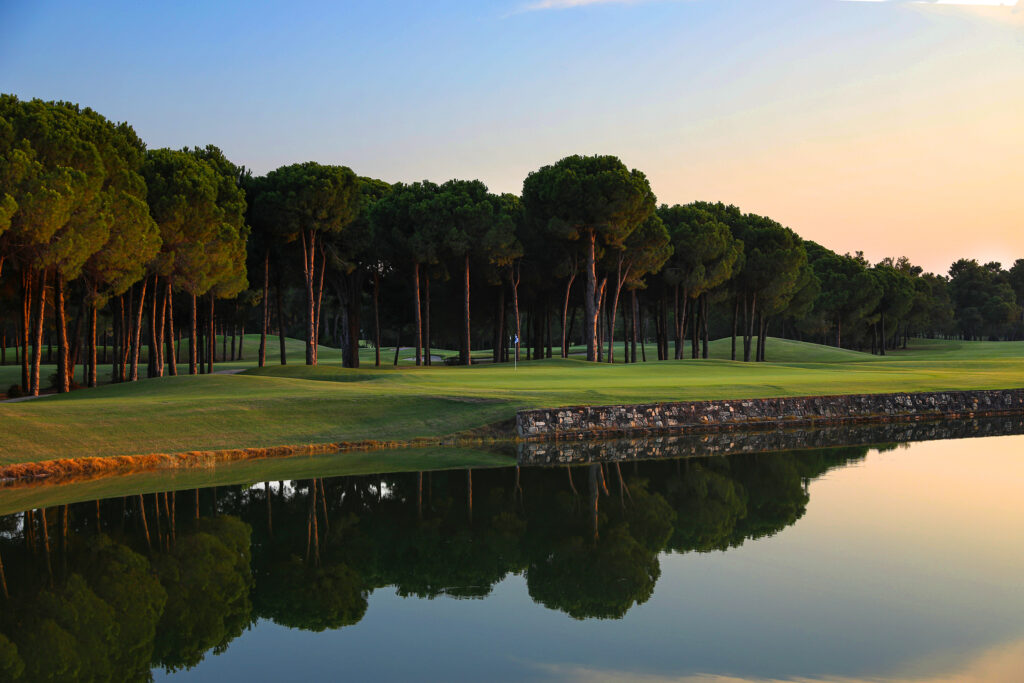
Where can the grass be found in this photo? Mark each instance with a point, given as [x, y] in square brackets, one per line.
[295, 352]
[296, 404]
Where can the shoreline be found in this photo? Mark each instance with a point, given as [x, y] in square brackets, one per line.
[576, 423]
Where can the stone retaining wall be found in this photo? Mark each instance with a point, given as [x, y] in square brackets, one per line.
[767, 439]
[579, 422]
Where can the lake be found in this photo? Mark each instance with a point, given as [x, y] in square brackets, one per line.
[895, 561]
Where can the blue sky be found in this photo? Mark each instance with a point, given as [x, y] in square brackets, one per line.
[863, 125]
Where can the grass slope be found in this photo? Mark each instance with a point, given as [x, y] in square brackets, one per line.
[295, 353]
[296, 404]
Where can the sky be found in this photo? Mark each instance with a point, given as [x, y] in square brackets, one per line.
[891, 127]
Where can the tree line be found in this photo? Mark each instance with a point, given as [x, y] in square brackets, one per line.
[105, 244]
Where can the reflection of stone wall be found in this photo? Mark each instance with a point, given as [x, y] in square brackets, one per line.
[698, 416]
[764, 439]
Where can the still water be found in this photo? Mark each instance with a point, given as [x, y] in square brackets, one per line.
[900, 562]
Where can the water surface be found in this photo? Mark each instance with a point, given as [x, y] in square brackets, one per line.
[899, 562]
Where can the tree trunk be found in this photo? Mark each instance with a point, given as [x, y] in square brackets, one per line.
[416, 307]
[309, 272]
[514, 281]
[678, 322]
[627, 333]
[547, 327]
[565, 311]
[153, 357]
[657, 326]
[694, 329]
[376, 318]
[839, 332]
[591, 299]
[643, 334]
[76, 347]
[635, 314]
[662, 322]
[193, 342]
[426, 319]
[620, 279]
[702, 327]
[354, 318]
[161, 333]
[764, 336]
[137, 331]
[749, 323]
[735, 319]
[497, 355]
[467, 358]
[151, 329]
[115, 351]
[212, 333]
[63, 385]
[26, 323]
[881, 334]
[266, 309]
[280, 324]
[37, 349]
[540, 313]
[572, 327]
[126, 333]
[319, 301]
[168, 333]
[91, 379]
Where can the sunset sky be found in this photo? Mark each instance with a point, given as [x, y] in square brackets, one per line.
[887, 126]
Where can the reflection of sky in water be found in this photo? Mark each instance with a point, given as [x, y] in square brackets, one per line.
[906, 567]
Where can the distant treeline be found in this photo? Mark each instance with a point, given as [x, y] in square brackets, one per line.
[105, 245]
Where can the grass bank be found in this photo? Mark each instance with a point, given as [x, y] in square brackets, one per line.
[295, 404]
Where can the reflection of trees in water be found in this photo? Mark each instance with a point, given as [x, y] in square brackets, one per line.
[123, 596]
[108, 589]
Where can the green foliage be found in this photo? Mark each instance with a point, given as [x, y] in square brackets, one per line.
[848, 290]
[644, 252]
[309, 197]
[70, 634]
[704, 250]
[588, 193]
[125, 581]
[595, 582]
[228, 248]
[774, 258]
[183, 201]
[11, 663]
[297, 595]
[983, 298]
[207, 579]
[707, 508]
[406, 218]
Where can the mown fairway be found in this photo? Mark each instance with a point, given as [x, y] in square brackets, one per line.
[295, 404]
